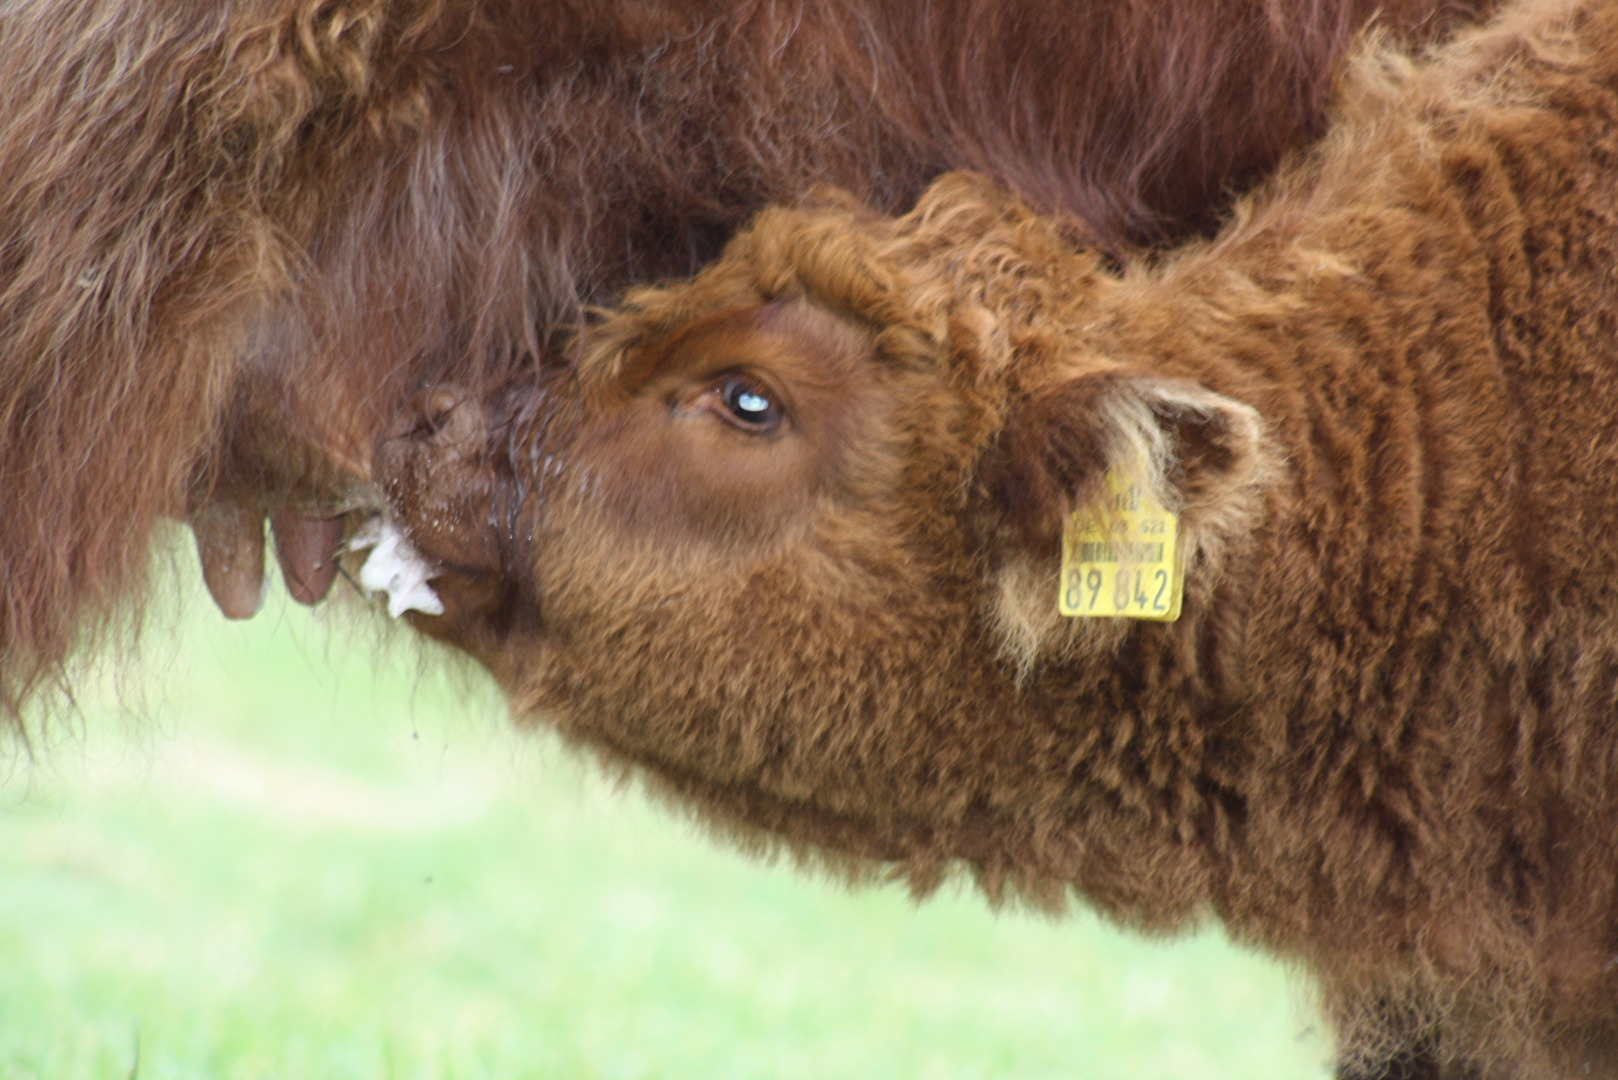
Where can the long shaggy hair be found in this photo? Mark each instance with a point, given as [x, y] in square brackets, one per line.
[788, 541]
[233, 236]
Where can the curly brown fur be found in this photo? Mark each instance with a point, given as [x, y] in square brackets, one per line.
[786, 541]
[235, 235]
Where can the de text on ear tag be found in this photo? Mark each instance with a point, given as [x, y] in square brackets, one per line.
[1120, 558]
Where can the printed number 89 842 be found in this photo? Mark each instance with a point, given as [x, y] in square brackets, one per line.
[1139, 591]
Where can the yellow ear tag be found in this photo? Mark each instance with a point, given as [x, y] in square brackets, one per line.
[1121, 559]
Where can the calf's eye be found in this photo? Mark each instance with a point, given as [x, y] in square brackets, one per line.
[748, 406]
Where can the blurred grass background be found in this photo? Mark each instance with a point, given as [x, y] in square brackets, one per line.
[295, 860]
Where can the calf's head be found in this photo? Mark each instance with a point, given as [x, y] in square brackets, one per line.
[788, 534]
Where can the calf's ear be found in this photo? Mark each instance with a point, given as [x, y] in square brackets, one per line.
[1202, 454]
[1196, 449]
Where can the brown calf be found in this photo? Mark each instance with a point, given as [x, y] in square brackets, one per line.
[789, 539]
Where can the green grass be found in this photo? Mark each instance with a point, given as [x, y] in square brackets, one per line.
[296, 863]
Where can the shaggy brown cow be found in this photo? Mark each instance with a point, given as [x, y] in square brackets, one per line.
[236, 236]
[789, 540]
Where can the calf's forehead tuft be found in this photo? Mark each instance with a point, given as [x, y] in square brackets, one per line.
[967, 272]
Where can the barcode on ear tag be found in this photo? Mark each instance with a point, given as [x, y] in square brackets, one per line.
[1121, 559]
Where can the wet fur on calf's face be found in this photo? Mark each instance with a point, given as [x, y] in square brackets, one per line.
[649, 444]
[1378, 742]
